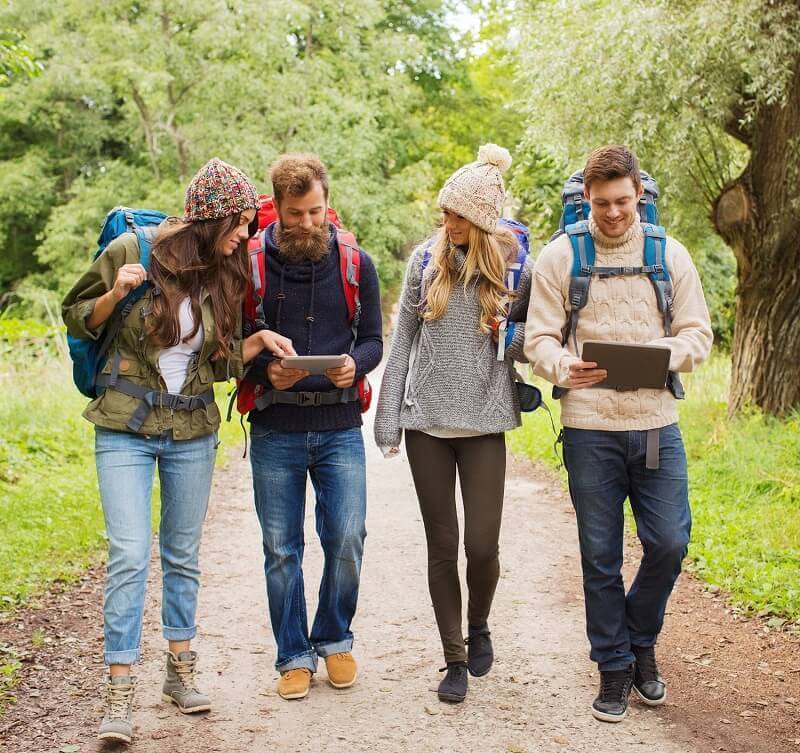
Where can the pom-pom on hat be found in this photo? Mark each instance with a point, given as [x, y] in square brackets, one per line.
[218, 190]
[476, 191]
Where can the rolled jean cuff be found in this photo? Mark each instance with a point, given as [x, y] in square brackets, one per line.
[329, 649]
[121, 657]
[179, 634]
[307, 660]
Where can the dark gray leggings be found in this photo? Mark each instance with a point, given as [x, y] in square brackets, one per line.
[481, 464]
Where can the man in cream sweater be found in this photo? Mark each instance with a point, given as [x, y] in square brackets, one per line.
[607, 434]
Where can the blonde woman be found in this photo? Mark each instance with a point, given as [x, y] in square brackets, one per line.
[449, 384]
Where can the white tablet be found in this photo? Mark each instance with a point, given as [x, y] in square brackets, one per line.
[313, 364]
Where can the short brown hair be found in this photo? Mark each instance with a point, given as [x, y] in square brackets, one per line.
[610, 162]
[294, 175]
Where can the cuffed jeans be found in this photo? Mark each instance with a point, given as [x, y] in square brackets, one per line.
[604, 468]
[335, 462]
[125, 467]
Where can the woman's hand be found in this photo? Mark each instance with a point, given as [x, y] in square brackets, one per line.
[277, 344]
[129, 277]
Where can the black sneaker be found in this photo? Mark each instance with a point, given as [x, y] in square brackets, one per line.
[480, 654]
[647, 682]
[611, 704]
[453, 688]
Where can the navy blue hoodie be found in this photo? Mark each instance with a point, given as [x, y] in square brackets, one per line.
[329, 333]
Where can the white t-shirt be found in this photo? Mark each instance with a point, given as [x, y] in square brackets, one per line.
[173, 363]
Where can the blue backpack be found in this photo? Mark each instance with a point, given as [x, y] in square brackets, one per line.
[574, 222]
[88, 356]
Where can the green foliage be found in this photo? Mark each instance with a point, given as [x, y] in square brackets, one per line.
[50, 512]
[134, 97]
[16, 58]
[744, 487]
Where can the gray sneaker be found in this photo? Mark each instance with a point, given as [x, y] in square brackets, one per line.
[179, 686]
[117, 723]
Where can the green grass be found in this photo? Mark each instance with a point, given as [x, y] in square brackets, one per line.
[50, 511]
[744, 485]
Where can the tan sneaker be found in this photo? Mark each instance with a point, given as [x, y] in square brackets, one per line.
[342, 669]
[294, 683]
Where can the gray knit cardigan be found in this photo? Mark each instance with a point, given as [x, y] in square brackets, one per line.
[456, 381]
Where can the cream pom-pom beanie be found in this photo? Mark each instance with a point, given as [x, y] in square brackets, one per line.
[476, 191]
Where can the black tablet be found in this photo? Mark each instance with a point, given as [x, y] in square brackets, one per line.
[629, 366]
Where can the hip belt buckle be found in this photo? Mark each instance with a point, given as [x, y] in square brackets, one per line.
[309, 399]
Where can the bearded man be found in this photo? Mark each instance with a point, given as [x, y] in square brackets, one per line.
[311, 426]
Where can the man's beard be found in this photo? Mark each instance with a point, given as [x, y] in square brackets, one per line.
[300, 246]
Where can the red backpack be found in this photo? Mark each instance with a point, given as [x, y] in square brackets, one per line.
[247, 393]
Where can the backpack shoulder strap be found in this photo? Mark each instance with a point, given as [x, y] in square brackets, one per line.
[655, 261]
[350, 270]
[583, 258]
[255, 319]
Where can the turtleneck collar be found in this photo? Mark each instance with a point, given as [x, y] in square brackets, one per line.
[631, 235]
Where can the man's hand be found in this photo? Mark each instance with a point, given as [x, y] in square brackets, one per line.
[281, 378]
[584, 374]
[343, 376]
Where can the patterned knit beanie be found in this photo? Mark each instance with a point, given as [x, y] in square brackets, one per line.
[218, 190]
[476, 191]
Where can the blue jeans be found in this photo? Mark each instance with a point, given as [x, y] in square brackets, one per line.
[604, 468]
[125, 467]
[335, 462]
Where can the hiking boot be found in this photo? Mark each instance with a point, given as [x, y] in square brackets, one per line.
[179, 687]
[342, 669]
[611, 704]
[453, 688]
[294, 683]
[117, 723]
[647, 682]
[480, 654]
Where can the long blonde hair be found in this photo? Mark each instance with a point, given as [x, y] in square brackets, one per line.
[488, 255]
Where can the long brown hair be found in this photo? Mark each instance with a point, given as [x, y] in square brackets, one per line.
[185, 262]
[488, 254]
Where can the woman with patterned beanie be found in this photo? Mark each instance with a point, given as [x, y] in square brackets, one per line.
[449, 383]
[157, 409]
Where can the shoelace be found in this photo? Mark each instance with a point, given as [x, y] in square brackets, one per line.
[119, 698]
[185, 671]
[613, 685]
[646, 663]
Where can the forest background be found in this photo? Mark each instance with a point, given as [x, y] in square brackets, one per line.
[120, 101]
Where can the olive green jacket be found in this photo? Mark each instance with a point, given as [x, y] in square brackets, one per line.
[139, 356]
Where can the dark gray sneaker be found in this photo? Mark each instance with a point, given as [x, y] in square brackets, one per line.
[117, 723]
[453, 688]
[647, 682]
[179, 686]
[480, 653]
[611, 703]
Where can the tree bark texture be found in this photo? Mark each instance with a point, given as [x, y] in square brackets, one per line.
[758, 216]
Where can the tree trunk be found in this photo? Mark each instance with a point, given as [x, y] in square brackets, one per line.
[758, 216]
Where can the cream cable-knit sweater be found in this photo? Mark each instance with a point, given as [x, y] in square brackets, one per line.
[619, 309]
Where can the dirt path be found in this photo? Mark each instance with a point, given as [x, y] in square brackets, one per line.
[536, 699]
